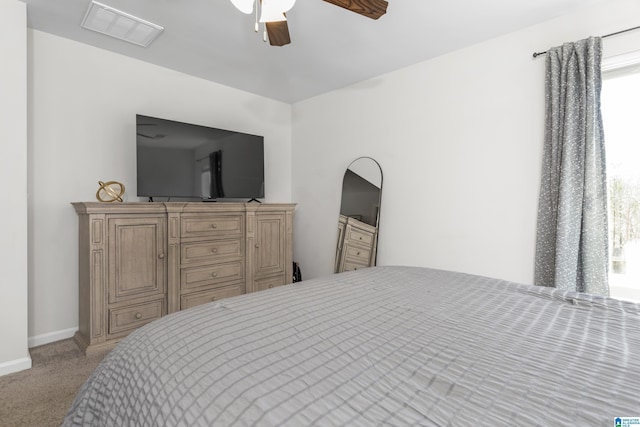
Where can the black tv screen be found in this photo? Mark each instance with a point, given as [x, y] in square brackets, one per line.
[176, 159]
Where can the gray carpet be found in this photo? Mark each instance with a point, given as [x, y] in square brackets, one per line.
[41, 396]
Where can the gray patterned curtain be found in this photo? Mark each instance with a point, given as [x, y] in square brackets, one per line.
[572, 240]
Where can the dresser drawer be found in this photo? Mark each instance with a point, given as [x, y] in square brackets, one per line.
[196, 298]
[125, 319]
[210, 251]
[211, 275]
[211, 226]
[360, 236]
[269, 282]
[358, 254]
[351, 265]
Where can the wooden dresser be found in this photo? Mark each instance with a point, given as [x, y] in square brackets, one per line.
[356, 245]
[141, 261]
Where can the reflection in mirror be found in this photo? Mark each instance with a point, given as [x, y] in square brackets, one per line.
[358, 223]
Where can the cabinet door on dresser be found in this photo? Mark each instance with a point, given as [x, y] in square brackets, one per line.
[136, 280]
[271, 251]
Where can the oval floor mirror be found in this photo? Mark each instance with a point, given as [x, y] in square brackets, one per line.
[359, 219]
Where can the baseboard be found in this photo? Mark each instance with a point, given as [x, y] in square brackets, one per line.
[25, 363]
[15, 366]
[43, 339]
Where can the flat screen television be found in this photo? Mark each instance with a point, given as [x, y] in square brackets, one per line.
[183, 160]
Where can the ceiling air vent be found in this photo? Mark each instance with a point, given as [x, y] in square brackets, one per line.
[115, 23]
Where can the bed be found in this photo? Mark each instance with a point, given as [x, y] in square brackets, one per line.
[392, 346]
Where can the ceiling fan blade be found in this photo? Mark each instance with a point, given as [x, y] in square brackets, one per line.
[373, 9]
[278, 33]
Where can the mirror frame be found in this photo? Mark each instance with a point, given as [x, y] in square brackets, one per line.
[357, 241]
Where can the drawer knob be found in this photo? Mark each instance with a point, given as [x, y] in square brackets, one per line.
[214, 250]
[358, 253]
[257, 245]
[213, 298]
[270, 286]
[161, 256]
[360, 238]
[214, 225]
[138, 315]
[214, 274]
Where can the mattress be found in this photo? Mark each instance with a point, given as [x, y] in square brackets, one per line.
[392, 346]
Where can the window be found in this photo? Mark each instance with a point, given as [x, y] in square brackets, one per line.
[621, 120]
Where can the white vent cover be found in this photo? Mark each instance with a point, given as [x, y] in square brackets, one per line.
[115, 23]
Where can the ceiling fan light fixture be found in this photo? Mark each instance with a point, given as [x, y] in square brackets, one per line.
[274, 10]
[244, 6]
[271, 15]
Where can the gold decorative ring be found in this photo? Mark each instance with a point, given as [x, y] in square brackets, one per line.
[108, 193]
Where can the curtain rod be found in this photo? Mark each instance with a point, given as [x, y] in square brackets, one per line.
[536, 54]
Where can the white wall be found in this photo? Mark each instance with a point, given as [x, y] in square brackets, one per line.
[459, 139]
[14, 354]
[83, 103]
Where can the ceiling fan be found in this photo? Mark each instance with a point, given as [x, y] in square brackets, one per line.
[274, 14]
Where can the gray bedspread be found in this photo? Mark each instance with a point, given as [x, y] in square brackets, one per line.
[390, 346]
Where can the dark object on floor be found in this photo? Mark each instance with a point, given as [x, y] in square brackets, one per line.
[297, 274]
